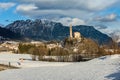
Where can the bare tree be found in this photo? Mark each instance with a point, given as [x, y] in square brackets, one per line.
[115, 44]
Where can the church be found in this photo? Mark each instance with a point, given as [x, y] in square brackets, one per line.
[76, 36]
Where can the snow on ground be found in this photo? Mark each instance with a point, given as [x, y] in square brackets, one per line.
[103, 68]
[14, 59]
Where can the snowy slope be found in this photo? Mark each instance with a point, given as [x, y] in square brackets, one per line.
[103, 68]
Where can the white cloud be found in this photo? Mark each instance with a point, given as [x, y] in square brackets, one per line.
[107, 18]
[26, 7]
[100, 26]
[98, 4]
[45, 13]
[72, 8]
[6, 5]
[83, 9]
[94, 5]
[67, 21]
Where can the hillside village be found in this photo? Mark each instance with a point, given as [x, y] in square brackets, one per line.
[73, 48]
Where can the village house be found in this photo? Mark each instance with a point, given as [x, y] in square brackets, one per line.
[9, 46]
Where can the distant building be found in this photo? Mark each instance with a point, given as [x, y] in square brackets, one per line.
[77, 36]
[2, 48]
[9, 46]
[50, 46]
[37, 43]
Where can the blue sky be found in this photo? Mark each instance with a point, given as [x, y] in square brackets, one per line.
[102, 14]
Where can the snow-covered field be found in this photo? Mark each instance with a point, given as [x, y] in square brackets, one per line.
[103, 68]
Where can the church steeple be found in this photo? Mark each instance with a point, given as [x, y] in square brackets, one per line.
[71, 31]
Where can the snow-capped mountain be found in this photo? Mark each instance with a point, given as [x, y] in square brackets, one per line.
[48, 30]
[115, 35]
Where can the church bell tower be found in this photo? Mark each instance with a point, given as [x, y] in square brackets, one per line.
[71, 31]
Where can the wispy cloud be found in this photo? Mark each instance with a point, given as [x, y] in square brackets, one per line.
[70, 4]
[107, 18]
[67, 21]
[7, 5]
[26, 7]
[62, 7]
[101, 27]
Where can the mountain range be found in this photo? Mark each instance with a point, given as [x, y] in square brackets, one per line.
[48, 30]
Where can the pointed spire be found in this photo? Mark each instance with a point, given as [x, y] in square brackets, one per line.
[71, 31]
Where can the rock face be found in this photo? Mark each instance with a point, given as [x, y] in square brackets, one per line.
[48, 30]
[7, 34]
